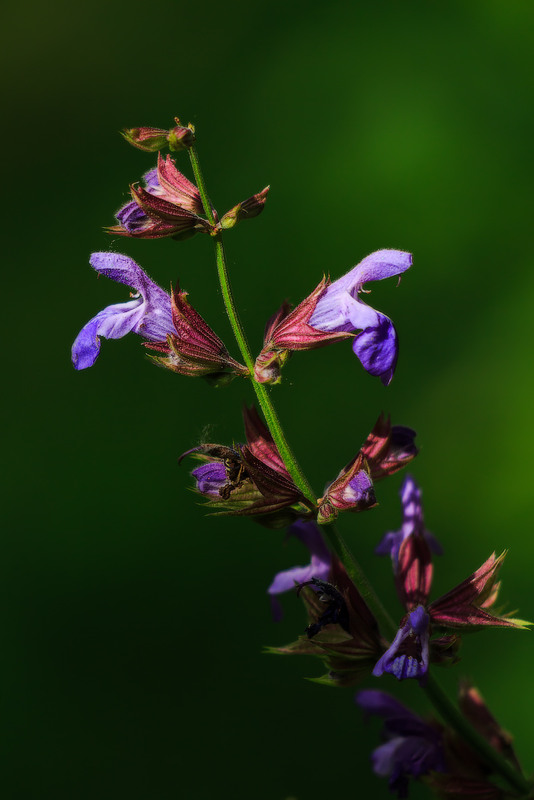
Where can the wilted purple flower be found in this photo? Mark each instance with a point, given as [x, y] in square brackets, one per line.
[412, 746]
[319, 566]
[471, 604]
[148, 313]
[339, 310]
[412, 523]
[408, 655]
[168, 205]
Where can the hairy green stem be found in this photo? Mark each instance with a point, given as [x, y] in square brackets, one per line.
[271, 417]
[435, 693]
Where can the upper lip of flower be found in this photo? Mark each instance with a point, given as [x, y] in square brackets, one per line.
[148, 314]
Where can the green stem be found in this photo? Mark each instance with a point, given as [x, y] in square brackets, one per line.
[271, 417]
[492, 757]
[439, 699]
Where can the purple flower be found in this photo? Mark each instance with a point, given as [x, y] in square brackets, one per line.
[411, 747]
[210, 478]
[407, 657]
[168, 205]
[148, 313]
[319, 566]
[412, 524]
[131, 216]
[339, 310]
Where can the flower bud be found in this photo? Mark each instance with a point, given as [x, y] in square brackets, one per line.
[148, 139]
[352, 490]
[153, 139]
[249, 208]
[181, 138]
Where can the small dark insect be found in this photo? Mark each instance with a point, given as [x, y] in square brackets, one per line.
[236, 473]
[336, 609]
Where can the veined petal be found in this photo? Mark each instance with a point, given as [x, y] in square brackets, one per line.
[375, 267]
[148, 314]
[210, 477]
[338, 311]
[378, 348]
[111, 323]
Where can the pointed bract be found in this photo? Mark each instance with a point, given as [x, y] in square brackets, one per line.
[413, 576]
[470, 604]
[247, 209]
[388, 448]
[193, 348]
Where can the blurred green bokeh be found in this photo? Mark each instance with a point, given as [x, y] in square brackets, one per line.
[132, 624]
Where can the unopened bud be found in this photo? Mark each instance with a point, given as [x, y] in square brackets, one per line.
[246, 210]
[181, 138]
[153, 139]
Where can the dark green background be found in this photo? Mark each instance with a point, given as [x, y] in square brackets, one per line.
[131, 624]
